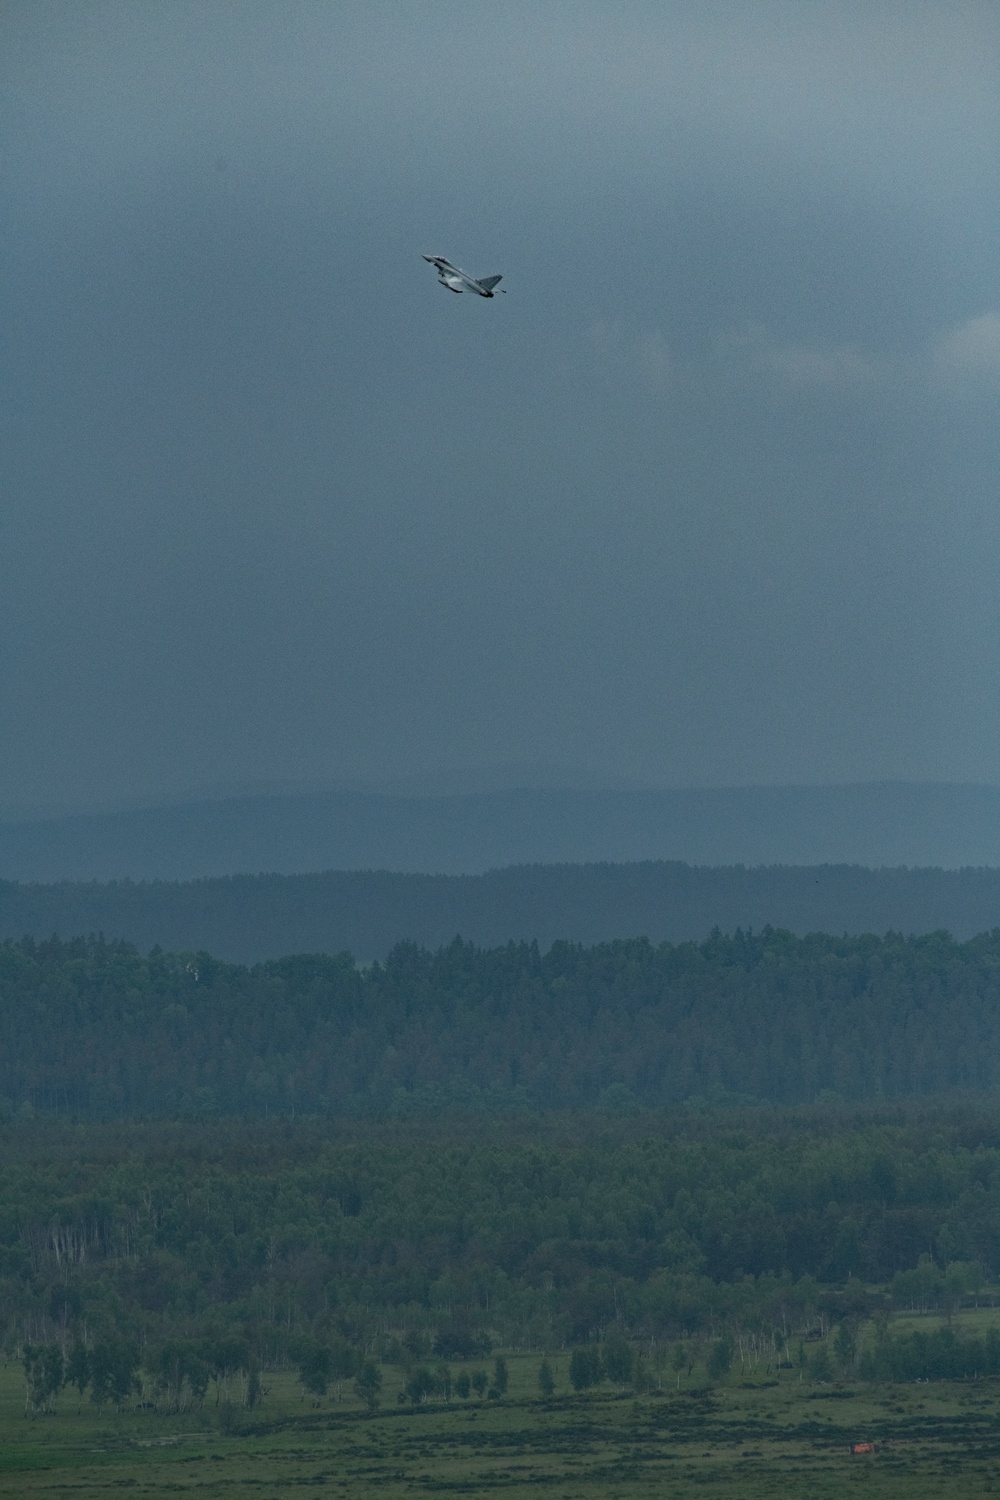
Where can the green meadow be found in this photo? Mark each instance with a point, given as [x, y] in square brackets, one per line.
[779, 1435]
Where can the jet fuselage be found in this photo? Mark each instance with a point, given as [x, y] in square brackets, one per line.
[457, 280]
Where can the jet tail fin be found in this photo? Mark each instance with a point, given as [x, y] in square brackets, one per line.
[489, 282]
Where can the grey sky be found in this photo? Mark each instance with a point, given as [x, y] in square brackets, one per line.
[711, 497]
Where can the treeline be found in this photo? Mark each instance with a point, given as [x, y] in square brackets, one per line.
[249, 918]
[94, 1029]
[407, 1241]
[176, 1375]
[177, 1372]
[938, 1354]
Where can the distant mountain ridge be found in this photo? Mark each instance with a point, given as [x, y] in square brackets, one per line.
[876, 825]
[247, 918]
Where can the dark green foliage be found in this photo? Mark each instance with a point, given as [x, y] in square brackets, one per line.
[619, 1359]
[720, 1358]
[679, 1361]
[113, 1367]
[181, 1370]
[480, 1380]
[368, 1384]
[845, 1348]
[939, 1354]
[78, 1367]
[586, 1368]
[420, 1384]
[315, 1366]
[344, 1360]
[500, 1375]
[94, 1029]
[417, 1343]
[44, 1374]
[546, 1380]
[458, 1338]
[219, 1248]
[463, 1385]
[226, 1357]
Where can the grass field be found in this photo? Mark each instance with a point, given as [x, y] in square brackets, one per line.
[744, 1439]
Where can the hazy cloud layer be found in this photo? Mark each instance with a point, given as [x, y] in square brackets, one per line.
[709, 497]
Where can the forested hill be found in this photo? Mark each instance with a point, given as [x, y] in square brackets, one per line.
[93, 1028]
[247, 918]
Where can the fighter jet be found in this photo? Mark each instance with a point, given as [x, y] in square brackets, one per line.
[458, 281]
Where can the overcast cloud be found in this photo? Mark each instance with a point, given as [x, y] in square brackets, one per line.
[710, 497]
